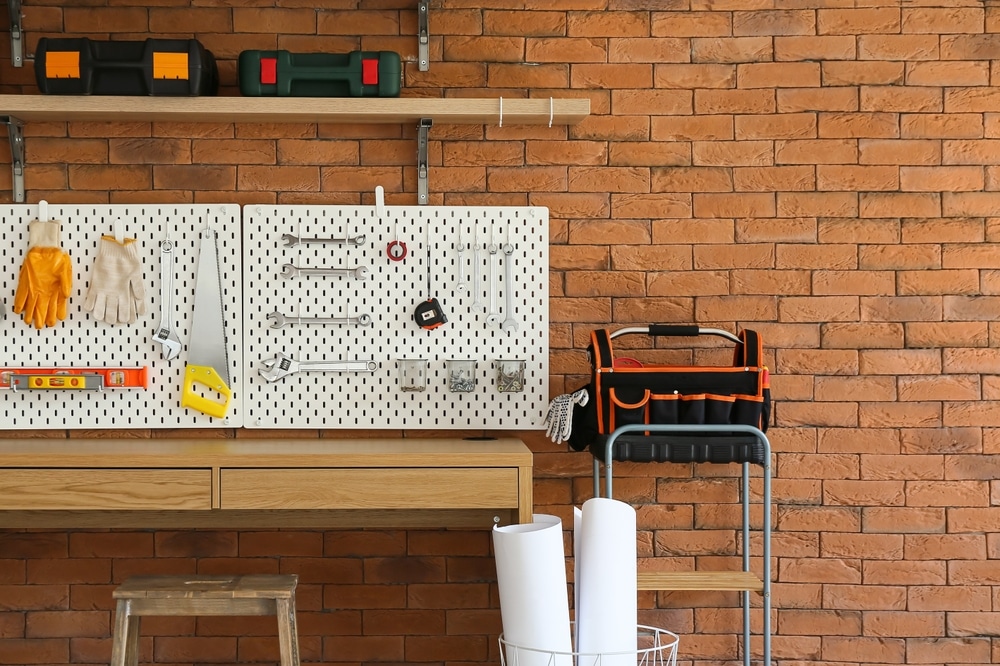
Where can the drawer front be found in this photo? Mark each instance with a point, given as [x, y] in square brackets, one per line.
[82, 489]
[369, 488]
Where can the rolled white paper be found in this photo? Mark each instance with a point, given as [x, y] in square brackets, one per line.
[534, 605]
[608, 613]
[577, 530]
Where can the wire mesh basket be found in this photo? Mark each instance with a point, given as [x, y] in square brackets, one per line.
[657, 647]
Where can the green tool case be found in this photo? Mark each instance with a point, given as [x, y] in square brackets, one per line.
[82, 66]
[354, 74]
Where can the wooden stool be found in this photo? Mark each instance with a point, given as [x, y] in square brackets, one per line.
[203, 595]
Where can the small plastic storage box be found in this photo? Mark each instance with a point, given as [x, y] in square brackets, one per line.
[354, 74]
[165, 67]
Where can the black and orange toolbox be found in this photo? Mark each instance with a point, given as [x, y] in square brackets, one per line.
[165, 67]
[353, 74]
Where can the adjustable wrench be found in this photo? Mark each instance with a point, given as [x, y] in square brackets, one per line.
[165, 333]
[279, 320]
[510, 323]
[291, 240]
[281, 366]
[289, 271]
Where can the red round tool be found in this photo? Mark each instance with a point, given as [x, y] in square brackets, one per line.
[396, 250]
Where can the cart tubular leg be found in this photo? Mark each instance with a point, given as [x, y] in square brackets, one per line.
[744, 499]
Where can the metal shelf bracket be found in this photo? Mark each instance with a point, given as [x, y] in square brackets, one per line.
[16, 48]
[423, 37]
[422, 129]
[15, 130]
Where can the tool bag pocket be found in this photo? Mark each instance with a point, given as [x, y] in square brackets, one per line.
[710, 395]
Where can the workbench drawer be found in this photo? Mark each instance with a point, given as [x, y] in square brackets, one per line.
[370, 488]
[116, 489]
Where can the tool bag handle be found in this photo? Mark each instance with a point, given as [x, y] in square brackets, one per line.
[749, 350]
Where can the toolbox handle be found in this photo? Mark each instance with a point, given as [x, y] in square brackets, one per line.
[675, 330]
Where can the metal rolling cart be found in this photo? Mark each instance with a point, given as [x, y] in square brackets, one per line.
[623, 422]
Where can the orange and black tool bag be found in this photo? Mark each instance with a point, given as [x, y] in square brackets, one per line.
[625, 392]
[162, 67]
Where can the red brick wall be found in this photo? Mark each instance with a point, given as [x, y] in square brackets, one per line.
[824, 174]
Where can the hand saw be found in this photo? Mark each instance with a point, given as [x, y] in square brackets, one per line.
[208, 353]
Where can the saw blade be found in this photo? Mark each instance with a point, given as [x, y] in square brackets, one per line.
[207, 345]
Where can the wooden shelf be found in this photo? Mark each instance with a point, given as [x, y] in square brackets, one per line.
[370, 110]
[735, 581]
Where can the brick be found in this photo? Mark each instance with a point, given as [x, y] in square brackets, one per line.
[735, 308]
[731, 49]
[864, 597]
[707, 102]
[99, 177]
[615, 76]
[691, 24]
[778, 75]
[969, 256]
[600, 283]
[904, 624]
[943, 230]
[293, 21]
[949, 598]
[575, 205]
[532, 23]
[803, 204]
[862, 335]
[34, 651]
[972, 467]
[832, 389]
[901, 308]
[868, 125]
[911, 99]
[802, 229]
[973, 520]
[651, 258]
[105, 19]
[477, 48]
[864, 546]
[887, 257]
[898, 47]
[652, 102]
[973, 624]
[827, 571]
[518, 75]
[811, 47]
[847, 177]
[607, 24]
[774, 22]
[971, 100]
[969, 47]
[947, 493]
[691, 179]
[624, 179]
[870, 649]
[689, 76]
[935, 179]
[950, 73]
[904, 520]
[708, 257]
[650, 205]
[818, 361]
[854, 282]
[956, 650]
[817, 99]
[764, 282]
[535, 152]
[906, 573]
[971, 361]
[945, 547]
[819, 466]
[692, 231]
[731, 153]
[969, 151]
[650, 154]
[815, 519]
[948, 20]
[781, 126]
[649, 49]
[941, 126]
[818, 308]
[873, 20]
[891, 204]
[733, 205]
[815, 151]
[940, 334]
[863, 73]
[864, 493]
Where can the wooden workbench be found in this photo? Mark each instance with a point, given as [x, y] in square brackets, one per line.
[405, 483]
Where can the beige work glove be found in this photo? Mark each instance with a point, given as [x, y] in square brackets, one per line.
[116, 294]
[46, 276]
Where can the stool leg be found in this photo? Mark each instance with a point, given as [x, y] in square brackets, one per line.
[288, 635]
[125, 645]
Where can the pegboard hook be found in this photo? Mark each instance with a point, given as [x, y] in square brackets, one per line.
[501, 111]
[43, 211]
[119, 230]
[379, 202]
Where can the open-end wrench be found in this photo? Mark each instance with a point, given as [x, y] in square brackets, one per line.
[510, 323]
[289, 271]
[291, 240]
[279, 320]
[165, 333]
[477, 285]
[493, 318]
[281, 366]
[462, 280]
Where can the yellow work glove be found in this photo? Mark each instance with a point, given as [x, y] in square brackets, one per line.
[46, 276]
[116, 293]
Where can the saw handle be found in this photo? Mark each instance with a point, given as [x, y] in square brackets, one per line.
[206, 376]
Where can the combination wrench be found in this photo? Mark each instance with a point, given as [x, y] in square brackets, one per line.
[493, 318]
[477, 285]
[281, 366]
[279, 320]
[510, 323]
[290, 271]
[165, 333]
[291, 240]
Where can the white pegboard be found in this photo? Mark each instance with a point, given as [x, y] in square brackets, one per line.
[389, 295]
[82, 341]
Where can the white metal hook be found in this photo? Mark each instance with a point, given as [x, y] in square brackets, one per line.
[43, 211]
[119, 230]
[501, 111]
[551, 110]
[379, 202]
